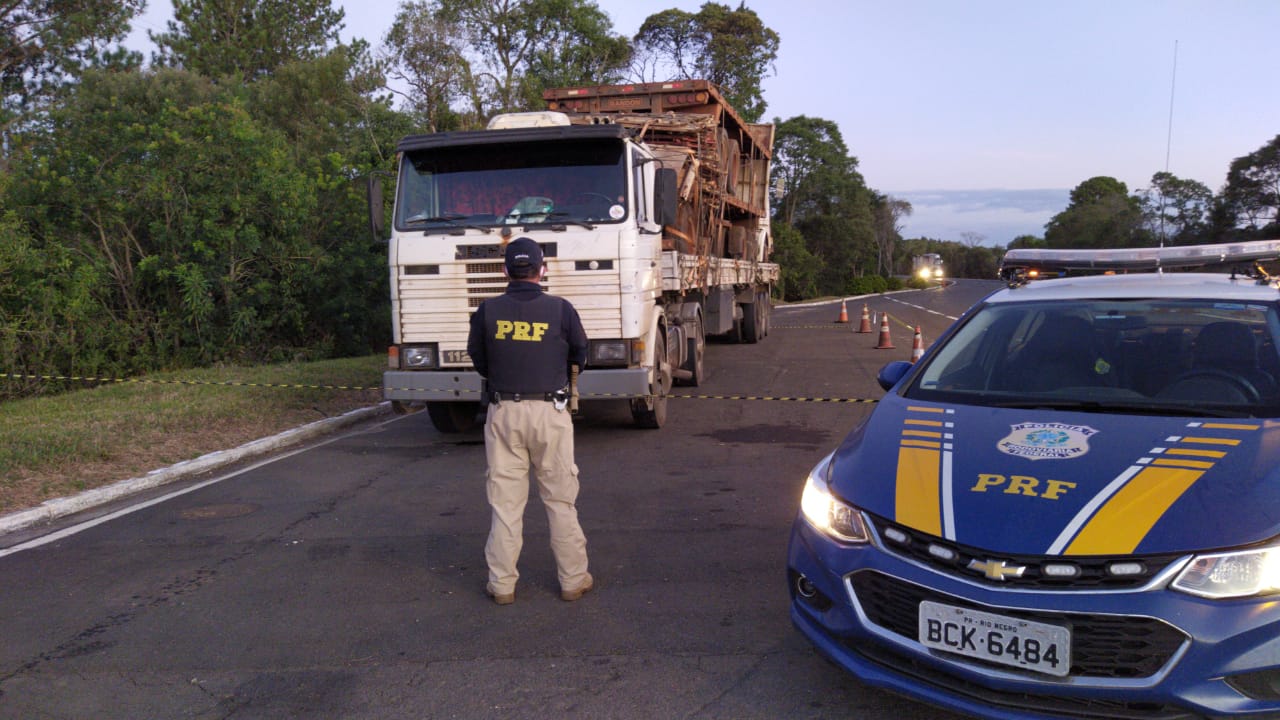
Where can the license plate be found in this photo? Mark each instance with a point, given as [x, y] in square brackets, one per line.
[456, 357]
[996, 638]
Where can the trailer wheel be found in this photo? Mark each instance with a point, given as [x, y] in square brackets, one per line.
[453, 417]
[752, 322]
[697, 344]
[766, 311]
[651, 412]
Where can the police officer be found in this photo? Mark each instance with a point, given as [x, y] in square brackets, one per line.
[523, 342]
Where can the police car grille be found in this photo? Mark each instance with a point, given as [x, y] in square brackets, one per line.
[1093, 573]
[1059, 706]
[1102, 646]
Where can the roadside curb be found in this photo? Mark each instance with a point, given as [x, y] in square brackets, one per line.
[56, 508]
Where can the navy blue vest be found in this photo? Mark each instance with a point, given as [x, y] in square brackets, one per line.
[525, 344]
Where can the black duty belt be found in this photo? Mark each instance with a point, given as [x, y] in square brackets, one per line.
[497, 397]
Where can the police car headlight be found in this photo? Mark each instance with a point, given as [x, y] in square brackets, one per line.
[1232, 575]
[823, 511]
[418, 357]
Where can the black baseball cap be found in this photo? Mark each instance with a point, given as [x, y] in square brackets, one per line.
[522, 254]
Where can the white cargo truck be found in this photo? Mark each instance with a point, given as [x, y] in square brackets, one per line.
[651, 205]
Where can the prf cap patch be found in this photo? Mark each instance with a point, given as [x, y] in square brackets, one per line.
[1046, 441]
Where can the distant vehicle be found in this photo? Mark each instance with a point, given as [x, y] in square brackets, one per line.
[927, 266]
[1070, 506]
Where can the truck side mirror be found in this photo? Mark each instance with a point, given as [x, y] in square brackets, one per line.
[377, 218]
[665, 194]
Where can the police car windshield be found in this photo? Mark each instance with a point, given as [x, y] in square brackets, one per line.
[1173, 356]
[486, 186]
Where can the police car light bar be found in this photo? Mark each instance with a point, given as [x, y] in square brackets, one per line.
[1140, 259]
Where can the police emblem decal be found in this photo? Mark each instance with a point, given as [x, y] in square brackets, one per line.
[1046, 441]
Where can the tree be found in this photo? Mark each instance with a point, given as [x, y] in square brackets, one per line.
[44, 42]
[740, 53]
[1251, 197]
[1100, 215]
[515, 48]
[1176, 210]
[889, 212]
[825, 199]
[669, 43]
[799, 267]
[245, 39]
[578, 49]
[730, 47]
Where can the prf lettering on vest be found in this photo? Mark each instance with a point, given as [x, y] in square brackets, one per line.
[1022, 485]
[520, 330]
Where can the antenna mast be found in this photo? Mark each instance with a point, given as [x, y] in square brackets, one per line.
[1168, 143]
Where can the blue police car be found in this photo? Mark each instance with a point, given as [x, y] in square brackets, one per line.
[1070, 506]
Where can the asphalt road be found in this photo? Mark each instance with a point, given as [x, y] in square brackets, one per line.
[346, 580]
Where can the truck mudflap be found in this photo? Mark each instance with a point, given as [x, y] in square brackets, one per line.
[467, 385]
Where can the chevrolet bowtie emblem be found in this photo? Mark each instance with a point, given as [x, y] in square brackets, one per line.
[997, 569]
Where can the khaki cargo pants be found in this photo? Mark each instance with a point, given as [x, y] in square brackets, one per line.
[519, 436]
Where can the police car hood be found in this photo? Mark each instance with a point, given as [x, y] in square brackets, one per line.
[1050, 482]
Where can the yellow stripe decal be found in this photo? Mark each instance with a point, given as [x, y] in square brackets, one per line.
[925, 423]
[1216, 454]
[921, 433]
[917, 502]
[913, 408]
[1211, 441]
[1178, 462]
[1130, 514]
[1229, 426]
[922, 444]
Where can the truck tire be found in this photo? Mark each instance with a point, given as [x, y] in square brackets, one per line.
[453, 417]
[651, 412]
[752, 322]
[697, 345]
[766, 312]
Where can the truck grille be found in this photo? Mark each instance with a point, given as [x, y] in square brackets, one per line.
[1102, 646]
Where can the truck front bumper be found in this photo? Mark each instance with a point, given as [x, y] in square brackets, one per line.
[467, 385]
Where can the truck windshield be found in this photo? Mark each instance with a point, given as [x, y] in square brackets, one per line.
[491, 185]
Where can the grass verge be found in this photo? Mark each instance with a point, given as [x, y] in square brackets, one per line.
[86, 438]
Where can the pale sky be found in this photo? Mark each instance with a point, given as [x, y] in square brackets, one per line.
[1011, 95]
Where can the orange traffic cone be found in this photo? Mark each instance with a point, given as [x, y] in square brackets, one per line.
[917, 346]
[865, 327]
[844, 313]
[886, 343]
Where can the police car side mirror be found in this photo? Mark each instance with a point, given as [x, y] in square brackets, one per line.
[893, 372]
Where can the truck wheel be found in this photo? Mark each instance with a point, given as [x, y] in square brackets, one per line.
[453, 417]
[752, 323]
[651, 412]
[697, 344]
[766, 312]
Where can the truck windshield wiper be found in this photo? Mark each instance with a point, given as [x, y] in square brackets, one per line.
[563, 217]
[450, 219]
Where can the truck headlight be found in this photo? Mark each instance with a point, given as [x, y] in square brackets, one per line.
[418, 357]
[828, 514]
[1232, 574]
[603, 353]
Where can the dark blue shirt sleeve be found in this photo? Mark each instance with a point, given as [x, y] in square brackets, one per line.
[475, 342]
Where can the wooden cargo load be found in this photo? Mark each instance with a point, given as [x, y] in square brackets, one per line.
[721, 161]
